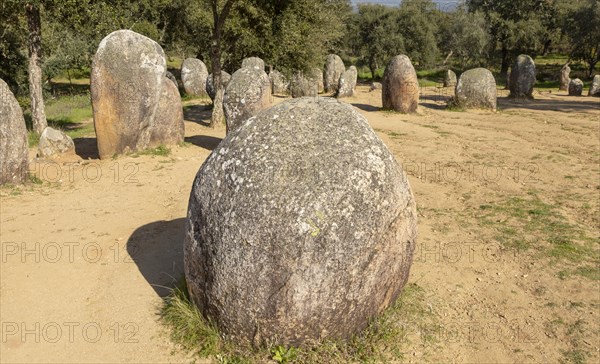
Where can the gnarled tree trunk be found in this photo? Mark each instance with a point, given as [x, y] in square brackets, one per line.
[38, 111]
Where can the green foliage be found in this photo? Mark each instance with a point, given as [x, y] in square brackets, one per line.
[466, 35]
[284, 355]
[418, 21]
[582, 27]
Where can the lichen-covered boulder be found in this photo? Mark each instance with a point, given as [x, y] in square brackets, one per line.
[334, 68]
[303, 86]
[193, 76]
[565, 77]
[575, 87]
[14, 158]
[210, 89]
[254, 62]
[173, 79]
[54, 142]
[347, 83]
[476, 88]
[595, 87]
[168, 127]
[522, 78]
[279, 84]
[126, 84]
[450, 79]
[294, 234]
[400, 86]
[248, 92]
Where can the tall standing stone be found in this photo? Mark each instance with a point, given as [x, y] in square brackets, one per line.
[210, 89]
[126, 84]
[565, 77]
[168, 126]
[595, 87]
[303, 86]
[193, 76]
[295, 235]
[334, 68]
[522, 78]
[400, 86]
[347, 82]
[14, 153]
[254, 62]
[476, 89]
[576, 87]
[279, 84]
[450, 79]
[248, 92]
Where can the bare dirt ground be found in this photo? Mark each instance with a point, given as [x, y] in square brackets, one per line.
[507, 256]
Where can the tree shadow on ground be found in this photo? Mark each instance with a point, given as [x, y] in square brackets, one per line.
[576, 104]
[204, 141]
[199, 114]
[435, 102]
[365, 107]
[157, 250]
[86, 148]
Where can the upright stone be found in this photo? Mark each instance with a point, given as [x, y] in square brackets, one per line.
[317, 75]
[14, 153]
[279, 84]
[248, 92]
[295, 235]
[193, 75]
[576, 87]
[400, 90]
[450, 79]
[54, 142]
[254, 62]
[522, 78]
[334, 68]
[126, 84]
[168, 127]
[476, 88]
[565, 77]
[303, 86]
[595, 87]
[210, 89]
[347, 83]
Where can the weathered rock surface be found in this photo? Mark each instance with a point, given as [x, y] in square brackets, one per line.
[334, 68]
[576, 87]
[172, 77]
[375, 86]
[248, 92]
[168, 127]
[279, 84]
[303, 86]
[254, 62]
[522, 78]
[450, 79]
[595, 87]
[476, 88]
[400, 86]
[295, 234]
[14, 158]
[317, 75]
[193, 76]
[565, 77]
[54, 142]
[210, 90]
[347, 83]
[126, 84]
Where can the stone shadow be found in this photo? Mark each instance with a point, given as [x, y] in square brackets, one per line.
[199, 114]
[86, 148]
[204, 141]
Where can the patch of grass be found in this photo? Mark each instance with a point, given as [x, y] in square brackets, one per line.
[35, 180]
[33, 138]
[160, 151]
[381, 341]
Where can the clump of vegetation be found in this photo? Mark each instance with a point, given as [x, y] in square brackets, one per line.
[160, 151]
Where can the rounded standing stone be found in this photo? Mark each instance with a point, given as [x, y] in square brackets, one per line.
[450, 79]
[248, 92]
[522, 78]
[294, 234]
[595, 87]
[254, 62]
[576, 87]
[400, 90]
[193, 76]
[334, 68]
[347, 83]
[168, 127]
[565, 77]
[476, 88]
[279, 84]
[303, 86]
[14, 152]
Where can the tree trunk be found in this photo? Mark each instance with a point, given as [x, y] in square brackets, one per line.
[38, 112]
[505, 64]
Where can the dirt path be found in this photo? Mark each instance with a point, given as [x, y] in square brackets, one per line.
[86, 254]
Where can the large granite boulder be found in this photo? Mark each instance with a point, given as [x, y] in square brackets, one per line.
[126, 84]
[595, 87]
[54, 142]
[248, 92]
[476, 88]
[294, 234]
[303, 86]
[565, 77]
[576, 87]
[168, 127]
[400, 86]
[450, 79]
[14, 153]
[210, 89]
[279, 84]
[334, 68]
[347, 83]
[522, 78]
[193, 76]
[254, 62]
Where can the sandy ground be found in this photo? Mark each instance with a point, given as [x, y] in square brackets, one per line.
[87, 254]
